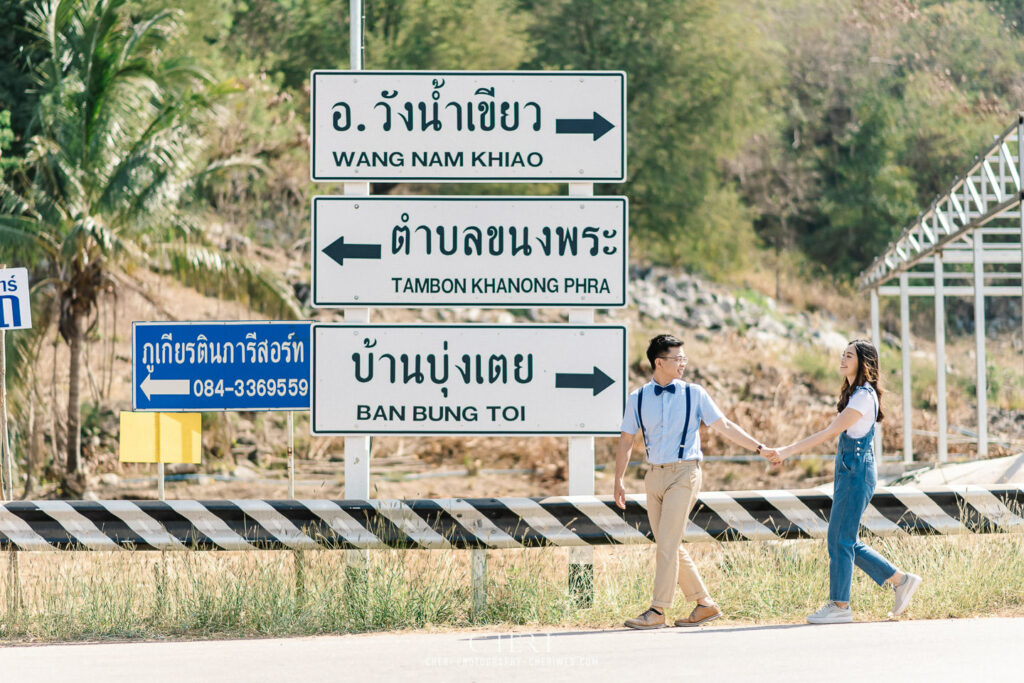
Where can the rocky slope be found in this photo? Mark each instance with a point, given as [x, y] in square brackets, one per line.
[771, 368]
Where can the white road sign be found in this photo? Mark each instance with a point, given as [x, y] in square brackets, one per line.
[504, 252]
[15, 305]
[468, 126]
[468, 379]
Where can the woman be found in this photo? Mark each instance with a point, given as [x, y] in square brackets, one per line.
[855, 480]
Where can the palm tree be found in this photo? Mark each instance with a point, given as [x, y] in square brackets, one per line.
[110, 178]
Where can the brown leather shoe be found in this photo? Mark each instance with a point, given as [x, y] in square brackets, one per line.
[700, 615]
[649, 619]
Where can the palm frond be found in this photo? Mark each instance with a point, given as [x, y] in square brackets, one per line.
[150, 34]
[232, 163]
[213, 272]
[115, 139]
[21, 242]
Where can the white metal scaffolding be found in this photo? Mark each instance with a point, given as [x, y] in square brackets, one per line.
[968, 243]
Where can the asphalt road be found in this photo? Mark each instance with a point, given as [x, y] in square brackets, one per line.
[960, 650]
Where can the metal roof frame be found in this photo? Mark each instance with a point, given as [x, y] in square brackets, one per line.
[976, 228]
[985, 201]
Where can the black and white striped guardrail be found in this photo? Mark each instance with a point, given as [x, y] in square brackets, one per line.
[485, 522]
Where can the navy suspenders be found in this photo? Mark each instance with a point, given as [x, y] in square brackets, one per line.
[686, 420]
[686, 424]
[640, 413]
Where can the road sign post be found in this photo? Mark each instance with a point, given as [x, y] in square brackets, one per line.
[15, 314]
[291, 454]
[357, 448]
[508, 252]
[468, 126]
[468, 379]
[6, 485]
[219, 366]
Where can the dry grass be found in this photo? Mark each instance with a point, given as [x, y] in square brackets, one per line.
[89, 596]
[804, 286]
[779, 393]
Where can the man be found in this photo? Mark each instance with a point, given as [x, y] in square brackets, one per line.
[668, 413]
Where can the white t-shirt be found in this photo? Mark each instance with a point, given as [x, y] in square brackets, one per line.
[863, 401]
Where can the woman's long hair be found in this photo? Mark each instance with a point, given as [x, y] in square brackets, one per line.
[867, 373]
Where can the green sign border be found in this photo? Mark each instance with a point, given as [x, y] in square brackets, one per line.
[384, 326]
[460, 198]
[620, 178]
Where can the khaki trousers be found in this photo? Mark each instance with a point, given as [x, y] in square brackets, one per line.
[671, 493]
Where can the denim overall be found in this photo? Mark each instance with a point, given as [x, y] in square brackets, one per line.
[855, 480]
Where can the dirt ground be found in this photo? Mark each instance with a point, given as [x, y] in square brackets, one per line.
[771, 389]
[390, 482]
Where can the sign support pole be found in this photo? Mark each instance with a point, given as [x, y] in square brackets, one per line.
[291, 455]
[7, 488]
[357, 448]
[581, 466]
[159, 464]
[161, 581]
[478, 578]
[297, 555]
[7, 477]
[160, 480]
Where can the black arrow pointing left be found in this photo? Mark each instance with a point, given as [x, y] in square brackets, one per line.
[596, 380]
[339, 251]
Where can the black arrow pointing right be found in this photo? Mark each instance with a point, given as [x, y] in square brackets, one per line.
[339, 251]
[596, 380]
[597, 126]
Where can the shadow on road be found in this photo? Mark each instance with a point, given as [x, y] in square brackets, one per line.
[680, 630]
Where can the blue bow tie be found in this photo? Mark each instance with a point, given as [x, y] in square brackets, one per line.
[670, 388]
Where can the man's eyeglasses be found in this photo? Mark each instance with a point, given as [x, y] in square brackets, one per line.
[679, 359]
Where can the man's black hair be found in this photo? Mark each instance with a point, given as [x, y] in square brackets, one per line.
[660, 344]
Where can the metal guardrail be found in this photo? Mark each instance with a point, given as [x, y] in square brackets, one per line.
[485, 522]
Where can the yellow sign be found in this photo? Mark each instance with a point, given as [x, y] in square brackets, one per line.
[161, 437]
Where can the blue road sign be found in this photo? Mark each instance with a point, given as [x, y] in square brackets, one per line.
[193, 366]
[15, 306]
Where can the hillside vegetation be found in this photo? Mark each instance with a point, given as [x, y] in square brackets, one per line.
[816, 127]
[775, 147]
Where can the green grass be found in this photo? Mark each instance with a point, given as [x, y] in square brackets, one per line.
[818, 367]
[1005, 386]
[103, 595]
[1004, 381]
[752, 296]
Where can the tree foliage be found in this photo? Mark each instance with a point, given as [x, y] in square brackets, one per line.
[816, 129]
[786, 123]
[17, 55]
[880, 105]
[693, 98]
[109, 173]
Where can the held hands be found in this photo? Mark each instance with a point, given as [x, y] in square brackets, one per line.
[771, 455]
[776, 455]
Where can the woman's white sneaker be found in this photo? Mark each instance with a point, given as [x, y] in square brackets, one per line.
[831, 613]
[904, 592]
